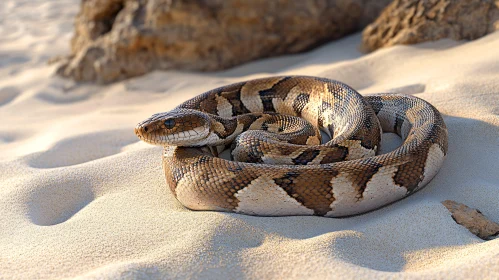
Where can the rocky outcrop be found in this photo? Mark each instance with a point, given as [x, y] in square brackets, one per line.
[415, 21]
[472, 219]
[117, 39]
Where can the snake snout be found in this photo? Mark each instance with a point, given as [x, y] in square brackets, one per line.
[137, 131]
[141, 130]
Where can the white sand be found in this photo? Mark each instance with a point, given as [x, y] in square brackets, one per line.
[81, 197]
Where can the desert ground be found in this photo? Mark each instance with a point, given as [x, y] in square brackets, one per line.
[82, 197]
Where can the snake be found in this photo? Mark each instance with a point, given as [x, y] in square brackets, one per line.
[280, 165]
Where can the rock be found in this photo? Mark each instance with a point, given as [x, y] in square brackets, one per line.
[473, 220]
[415, 21]
[117, 39]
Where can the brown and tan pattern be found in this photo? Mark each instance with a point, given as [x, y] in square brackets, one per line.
[280, 167]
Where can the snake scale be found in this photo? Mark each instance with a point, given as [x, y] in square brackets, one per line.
[280, 167]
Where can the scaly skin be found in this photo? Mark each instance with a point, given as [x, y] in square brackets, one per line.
[317, 184]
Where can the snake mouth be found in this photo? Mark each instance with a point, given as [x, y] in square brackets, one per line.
[193, 137]
[138, 131]
[143, 133]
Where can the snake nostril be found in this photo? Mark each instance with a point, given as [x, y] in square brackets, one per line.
[145, 128]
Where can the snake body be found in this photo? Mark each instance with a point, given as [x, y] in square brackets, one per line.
[274, 122]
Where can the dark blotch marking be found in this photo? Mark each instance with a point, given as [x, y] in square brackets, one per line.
[276, 91]
[267, 93]
[209, 105]
[268, 106]
[252, 149]
[372, 136]
[300, 102]
[376, 103]
[410, 174]
[285, 150]
[311, 189]
[335, 155]
[229, 125]
[305, 157]
[233, 95]
[399, 121]
[360, 176]
[247, 120]
[205, 167]
[175, 172]
[280, 89]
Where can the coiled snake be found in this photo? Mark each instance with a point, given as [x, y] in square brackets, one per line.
[273, 125]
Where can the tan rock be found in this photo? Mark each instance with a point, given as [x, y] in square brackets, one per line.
[117, 39]
[472, 219]
[415, 21]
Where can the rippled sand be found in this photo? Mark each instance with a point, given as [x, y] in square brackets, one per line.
[80, 196]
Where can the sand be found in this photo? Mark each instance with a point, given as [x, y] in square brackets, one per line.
[81, 197]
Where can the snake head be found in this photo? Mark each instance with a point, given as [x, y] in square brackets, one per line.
[179, 127]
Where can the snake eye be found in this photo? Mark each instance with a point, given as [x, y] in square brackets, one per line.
[170, 123]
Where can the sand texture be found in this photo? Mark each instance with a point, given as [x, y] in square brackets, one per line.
[81, 197]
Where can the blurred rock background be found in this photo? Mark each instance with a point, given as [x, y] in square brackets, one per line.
[118, 39]
[415, 21]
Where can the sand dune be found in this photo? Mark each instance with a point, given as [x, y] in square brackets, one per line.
[80, 196]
